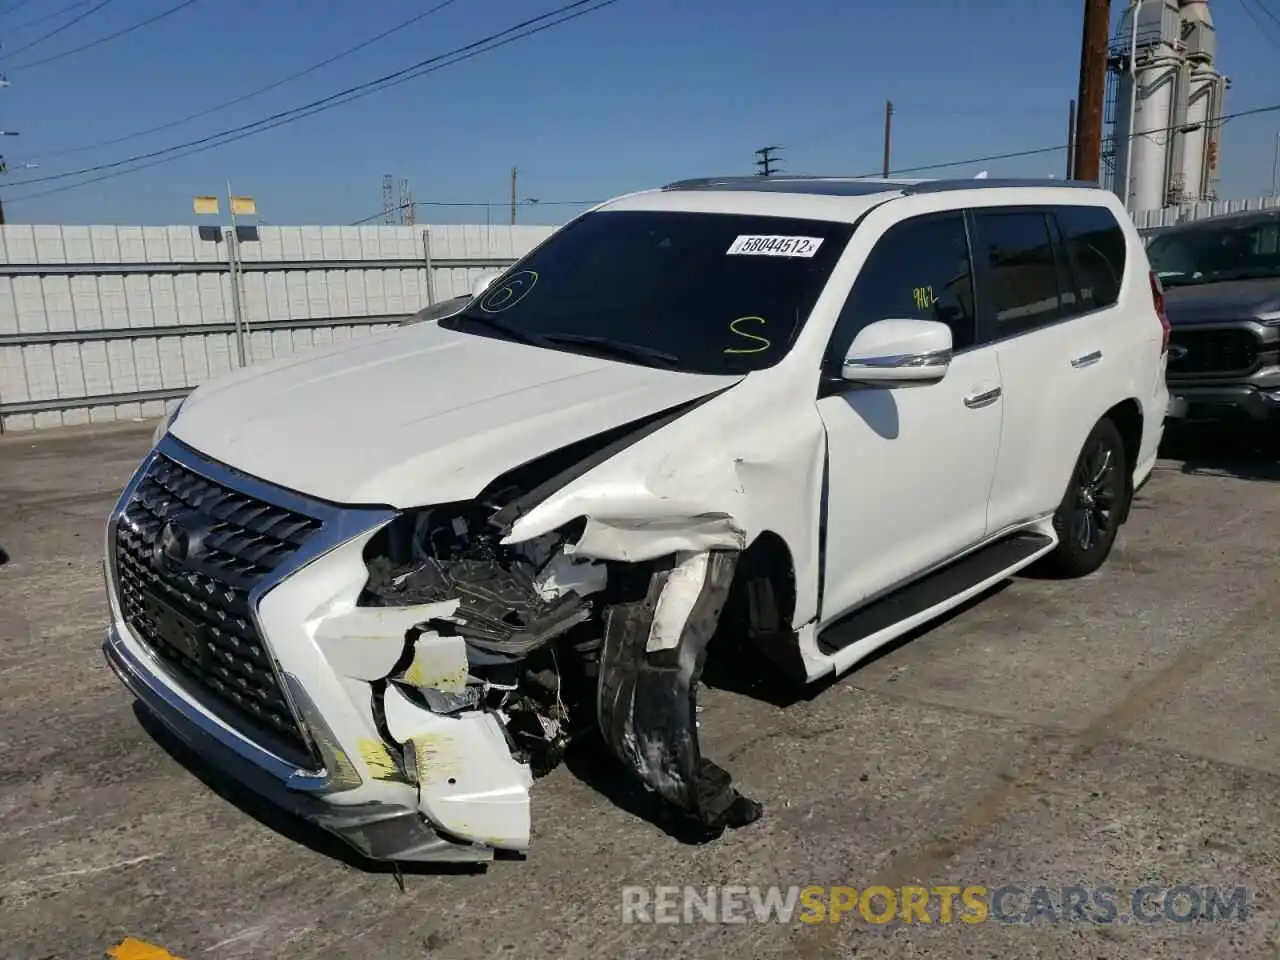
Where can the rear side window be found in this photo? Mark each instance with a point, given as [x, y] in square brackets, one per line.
[1096, 245]
[918, 269]
[1023, 275]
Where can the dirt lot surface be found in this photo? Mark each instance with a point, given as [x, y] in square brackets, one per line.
[1118, 731]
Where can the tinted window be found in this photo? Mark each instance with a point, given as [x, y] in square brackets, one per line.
[1096, 246]
[713, 293]
[1063, 271]
[919, 268]
[1216, 252]
[1022, 273]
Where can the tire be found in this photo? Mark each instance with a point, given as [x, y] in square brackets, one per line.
[1097, 497]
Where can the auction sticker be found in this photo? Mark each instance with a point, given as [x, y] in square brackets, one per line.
[774, 246]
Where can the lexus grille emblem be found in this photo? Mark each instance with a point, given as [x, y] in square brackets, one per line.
[179, 541]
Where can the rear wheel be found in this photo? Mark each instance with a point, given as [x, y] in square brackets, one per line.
[1088, 518]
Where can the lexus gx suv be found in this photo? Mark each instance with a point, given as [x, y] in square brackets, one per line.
[384, 585]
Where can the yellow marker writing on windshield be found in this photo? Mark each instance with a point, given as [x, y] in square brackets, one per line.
[924, 297]
[763, 343]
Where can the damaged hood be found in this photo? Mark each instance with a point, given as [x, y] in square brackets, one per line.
[424, 415]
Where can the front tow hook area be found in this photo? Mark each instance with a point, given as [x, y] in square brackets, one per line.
[647, 707]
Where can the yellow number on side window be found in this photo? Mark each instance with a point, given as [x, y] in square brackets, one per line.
[923, 297]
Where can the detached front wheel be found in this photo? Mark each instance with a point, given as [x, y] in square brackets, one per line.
[1088, 518]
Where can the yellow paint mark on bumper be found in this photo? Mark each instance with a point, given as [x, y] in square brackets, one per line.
[133, 949]
[379, 761]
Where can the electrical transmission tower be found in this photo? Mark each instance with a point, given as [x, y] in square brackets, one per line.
[407, 210]
[4, 164]
[767, 161]
[388, 199]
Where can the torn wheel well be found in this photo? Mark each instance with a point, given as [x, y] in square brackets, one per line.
[762, 602]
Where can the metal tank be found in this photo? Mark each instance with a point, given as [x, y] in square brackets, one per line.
[1167, 102]
[1196, 179]
[1146, 112]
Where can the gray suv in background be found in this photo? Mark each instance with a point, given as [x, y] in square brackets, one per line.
[1221, 278]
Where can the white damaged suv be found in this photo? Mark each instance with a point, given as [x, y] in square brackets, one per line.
[383, 585]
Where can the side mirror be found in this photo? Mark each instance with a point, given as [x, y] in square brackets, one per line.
[899, 352]
[484, 282]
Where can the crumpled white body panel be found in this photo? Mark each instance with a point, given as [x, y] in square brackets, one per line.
[468, 782]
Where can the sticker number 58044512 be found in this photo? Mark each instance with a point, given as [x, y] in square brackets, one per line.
[774, 246]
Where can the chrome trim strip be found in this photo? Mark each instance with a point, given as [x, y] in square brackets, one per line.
[338, 525]
[938, 358]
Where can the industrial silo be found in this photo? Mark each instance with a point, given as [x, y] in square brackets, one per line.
[1165, 103]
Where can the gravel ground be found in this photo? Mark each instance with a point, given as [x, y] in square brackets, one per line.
[1113, 732]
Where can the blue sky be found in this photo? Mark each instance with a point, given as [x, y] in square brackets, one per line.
[639, 93]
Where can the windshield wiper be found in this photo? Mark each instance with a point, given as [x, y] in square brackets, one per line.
[616, 348]
[497, 325]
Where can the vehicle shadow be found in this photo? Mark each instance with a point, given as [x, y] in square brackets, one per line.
[290, 827]
[4, 556]
[589, 760]
[1220, 450]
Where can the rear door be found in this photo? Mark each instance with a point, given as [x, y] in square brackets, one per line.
[1048, 279]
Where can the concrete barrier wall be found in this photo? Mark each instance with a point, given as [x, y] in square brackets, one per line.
[1148, 220]
[114, 323]
[109, 323]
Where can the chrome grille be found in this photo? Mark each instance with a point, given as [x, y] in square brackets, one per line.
[188, 553]
[1208, 352]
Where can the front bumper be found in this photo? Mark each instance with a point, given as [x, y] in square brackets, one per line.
[378, 830]
[327, 654]
[1217, 403]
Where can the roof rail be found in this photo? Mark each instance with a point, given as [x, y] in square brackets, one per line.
[986, 183]
[743, 181]
[864, 186]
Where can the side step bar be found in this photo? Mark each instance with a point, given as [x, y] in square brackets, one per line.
[932, 590]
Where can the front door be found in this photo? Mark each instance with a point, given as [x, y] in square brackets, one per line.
[909, 468]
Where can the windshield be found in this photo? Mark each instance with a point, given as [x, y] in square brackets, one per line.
[708, 293]
[1217, 252]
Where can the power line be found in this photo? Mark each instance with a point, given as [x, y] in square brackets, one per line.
[1261, 5]
[1270, 108]
[111, 36]
[253, 93]
[1263, 27]
[355, 92]
[57, 30]
[49, 16]
[13, 6]
[475, 203]
[1014, 155]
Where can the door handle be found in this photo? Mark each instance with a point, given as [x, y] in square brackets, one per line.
[984, 399]
[1088, 360]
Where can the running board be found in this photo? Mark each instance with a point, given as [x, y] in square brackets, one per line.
[934, 590]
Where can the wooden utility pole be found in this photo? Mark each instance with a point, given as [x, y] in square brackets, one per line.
[766, 161]
[514, 174]
[888, 135]
[1071, 140]
[1093, 80]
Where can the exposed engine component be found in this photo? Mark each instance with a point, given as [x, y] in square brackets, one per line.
[513, 605]
[554, 645]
